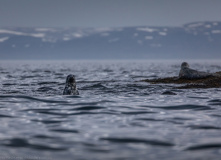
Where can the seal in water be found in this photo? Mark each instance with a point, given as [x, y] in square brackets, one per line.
[188, 73]
[70, 86]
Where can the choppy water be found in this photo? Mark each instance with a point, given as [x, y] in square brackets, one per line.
[114, 117]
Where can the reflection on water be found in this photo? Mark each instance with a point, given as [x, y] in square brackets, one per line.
[114, 117]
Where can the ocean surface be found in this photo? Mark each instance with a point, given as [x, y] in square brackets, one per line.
[115, 117]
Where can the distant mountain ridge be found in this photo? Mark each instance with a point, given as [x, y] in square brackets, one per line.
[193, 40]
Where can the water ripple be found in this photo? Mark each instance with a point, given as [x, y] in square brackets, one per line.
[182, 107]
[20, 142]
[137, 140]
[47, 121]
[88, 108]
[65, 130]
[204, 146]
[215, 102]
[206, 127]
[29, 98]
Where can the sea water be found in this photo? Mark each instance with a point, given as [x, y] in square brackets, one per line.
[116, 116]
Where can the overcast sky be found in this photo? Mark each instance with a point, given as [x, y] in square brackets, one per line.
[107, 13]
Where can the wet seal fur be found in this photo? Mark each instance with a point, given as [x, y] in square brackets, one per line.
[70, 86]
[191, 78]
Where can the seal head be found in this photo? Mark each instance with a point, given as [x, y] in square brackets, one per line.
[70, 86]
[188, 73]
[184, 65]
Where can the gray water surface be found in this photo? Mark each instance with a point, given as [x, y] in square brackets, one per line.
[114, 117]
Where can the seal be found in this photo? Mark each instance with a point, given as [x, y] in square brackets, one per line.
[188, 73]
[190, 78]
[70, 86]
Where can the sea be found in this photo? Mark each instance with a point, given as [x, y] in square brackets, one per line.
[115, 117]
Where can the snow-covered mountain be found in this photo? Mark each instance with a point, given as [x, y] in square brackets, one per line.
[194, 40]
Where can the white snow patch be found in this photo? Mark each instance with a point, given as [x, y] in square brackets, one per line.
[149, 37]
[195, 25]
[114, 40]
[4, 39]
[77, 35]
[38, 35]
[216, 31]
[146, 29]
[162, 33]
[45, 30]
[11, 32]
[66, 38]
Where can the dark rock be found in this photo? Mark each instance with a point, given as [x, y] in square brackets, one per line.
[208, 82]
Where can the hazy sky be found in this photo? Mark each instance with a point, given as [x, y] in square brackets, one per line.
[107, 13]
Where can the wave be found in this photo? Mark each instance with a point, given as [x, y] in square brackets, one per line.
[30, 98]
